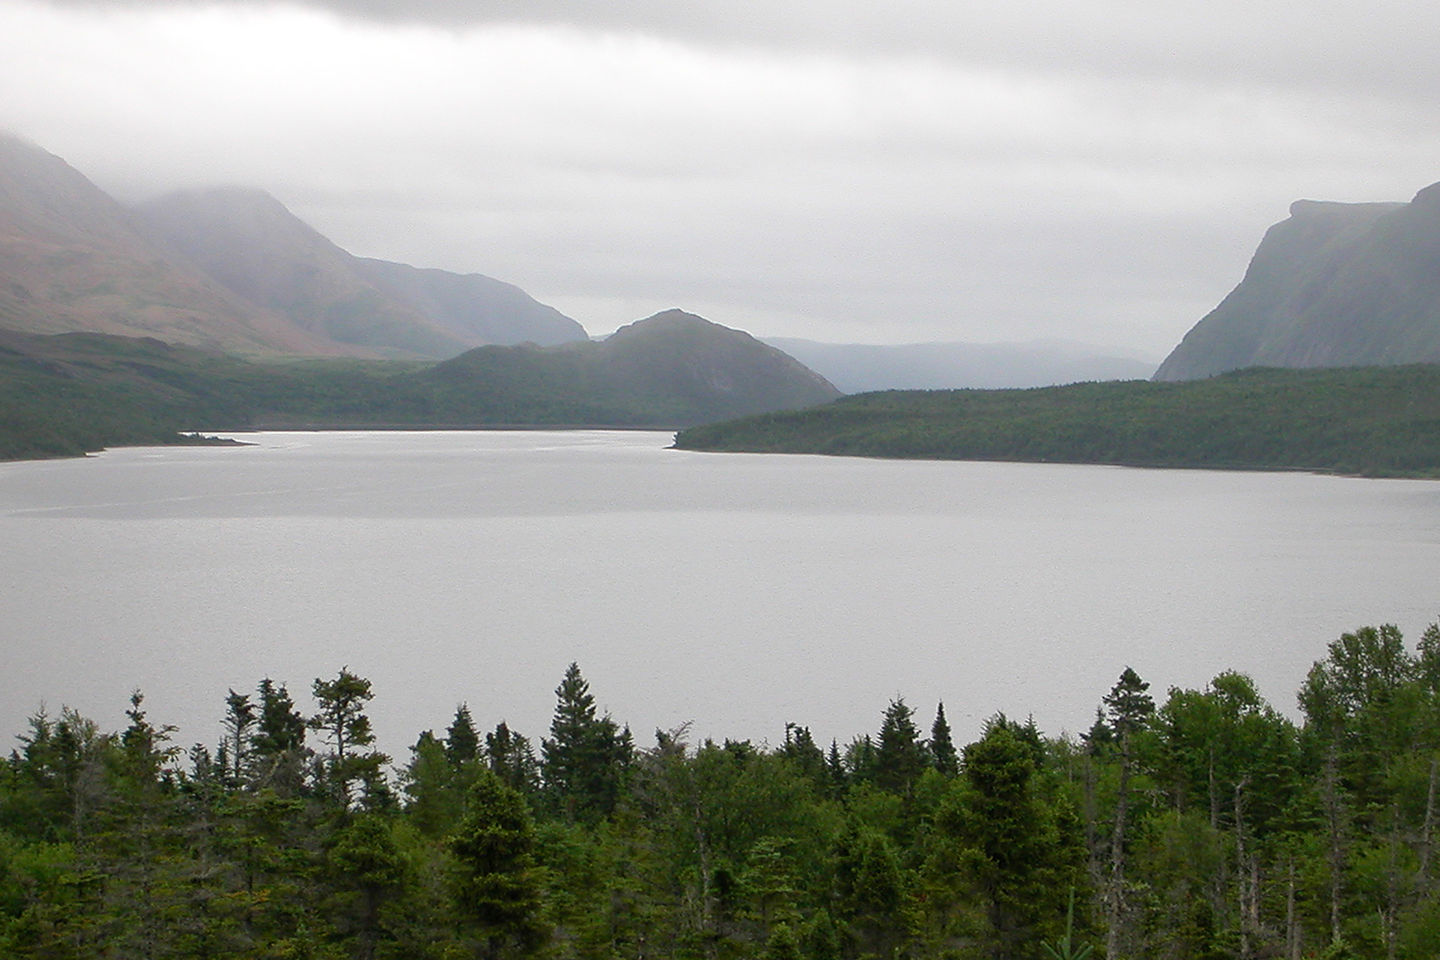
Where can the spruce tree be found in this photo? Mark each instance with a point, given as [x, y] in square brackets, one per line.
[942, 746]
[512, 759]
[278, 744]
[899, 756]
[496, 885]
[800, 749]
[586, 755]
[239, 721]
[1016, 848]
[462, 743]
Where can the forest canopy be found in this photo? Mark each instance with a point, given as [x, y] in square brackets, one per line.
[1197, 823]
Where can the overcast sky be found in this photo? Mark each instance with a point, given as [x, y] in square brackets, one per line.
[1095, 170]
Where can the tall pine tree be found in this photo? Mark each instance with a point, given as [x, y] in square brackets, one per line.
[900, 756]
[942, 745]
[585, 756]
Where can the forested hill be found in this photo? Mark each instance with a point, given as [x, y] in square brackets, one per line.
[72, 393]
[1198, 824]
[1373, 421]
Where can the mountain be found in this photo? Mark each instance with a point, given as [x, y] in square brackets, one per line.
[250, 243]
[472, 308]
[1335, 284]
[229, 269]
[858, 368]
[73, 259]
[673, 368]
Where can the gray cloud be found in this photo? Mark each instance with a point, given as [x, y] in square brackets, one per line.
[1383, 45]
[1095, 170]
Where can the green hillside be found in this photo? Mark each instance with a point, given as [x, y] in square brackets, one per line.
[1376, 421]
[68, 394]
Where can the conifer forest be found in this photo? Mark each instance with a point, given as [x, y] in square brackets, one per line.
[1183, 825]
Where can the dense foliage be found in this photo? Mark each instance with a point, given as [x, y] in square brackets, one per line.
[1376, 421]
[1204, 824]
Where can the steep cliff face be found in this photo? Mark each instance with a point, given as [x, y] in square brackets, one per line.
[1336, 284]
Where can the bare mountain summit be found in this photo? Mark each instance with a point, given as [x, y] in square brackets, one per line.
[1336, 284]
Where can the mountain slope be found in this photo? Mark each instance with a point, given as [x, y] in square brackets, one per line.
[474, 309]
[1336, 284]
[860, 368]
[229, 269]
[250, 243]
[253, 245]
[73, 259]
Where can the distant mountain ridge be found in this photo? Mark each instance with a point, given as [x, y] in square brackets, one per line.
[1335, 284]
[229, 269]
[859, 368]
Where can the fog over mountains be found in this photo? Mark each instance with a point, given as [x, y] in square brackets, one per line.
[230, 269]
[249, 242]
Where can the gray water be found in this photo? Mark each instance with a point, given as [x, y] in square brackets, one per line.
[733, 592]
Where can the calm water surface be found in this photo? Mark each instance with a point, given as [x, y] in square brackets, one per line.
[737, 592]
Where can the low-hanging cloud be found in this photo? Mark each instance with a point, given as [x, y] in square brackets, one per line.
[1093, 170]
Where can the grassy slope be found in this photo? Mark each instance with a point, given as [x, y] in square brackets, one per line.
[1377, 421]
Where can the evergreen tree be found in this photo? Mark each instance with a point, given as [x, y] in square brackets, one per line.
[366, 866]
[143, 745]
[1128, 710]
[900, 756]
[344, 725]
[1020, 852]
[586, 755]
[278, 743]
[800, 749]
[239, 721]
[496, 884]
[837, 777]
[942, 746]
[512, 759]
[462, 743]
[435, 790]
